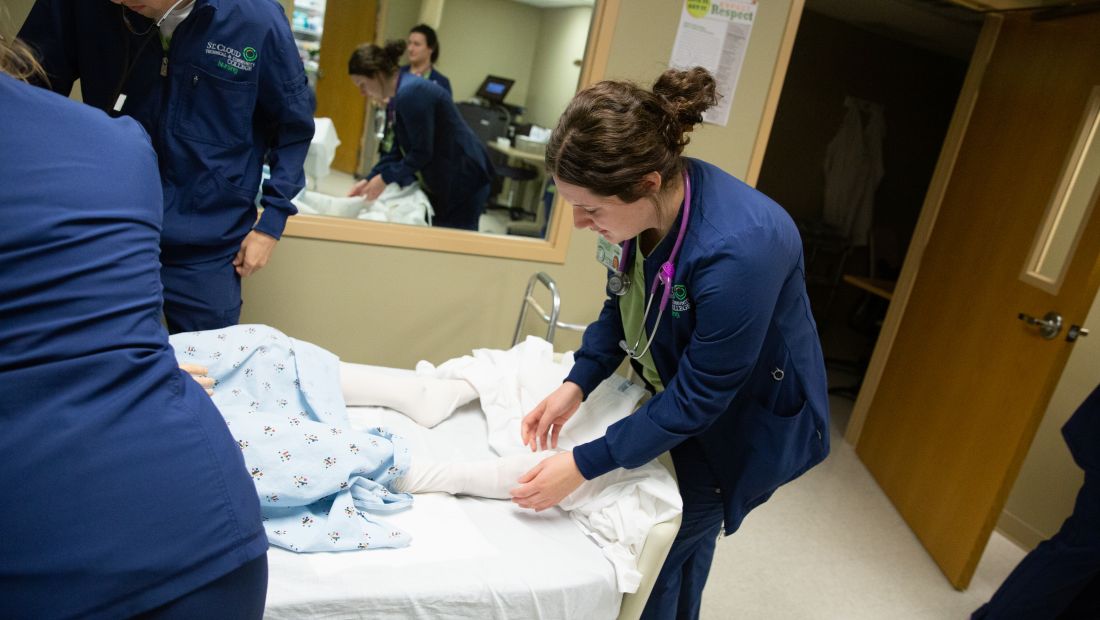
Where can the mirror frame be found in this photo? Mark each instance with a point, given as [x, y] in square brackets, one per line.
[553, 249]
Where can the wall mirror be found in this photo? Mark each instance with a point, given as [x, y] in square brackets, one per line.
[545, 48]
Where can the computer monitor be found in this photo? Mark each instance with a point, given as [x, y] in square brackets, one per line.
[494, 88]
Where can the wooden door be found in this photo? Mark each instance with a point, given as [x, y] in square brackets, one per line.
[967, 382]
[348, 23]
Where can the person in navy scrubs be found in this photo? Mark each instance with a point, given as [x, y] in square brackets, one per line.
[124, 492]
[221, 91]
[422, 49]
[1061, 577]
[432, 144]
[728, 345]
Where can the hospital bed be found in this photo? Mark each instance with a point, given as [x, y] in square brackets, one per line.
[469, 557]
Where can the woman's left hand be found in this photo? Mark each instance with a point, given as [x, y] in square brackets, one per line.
[548, 483]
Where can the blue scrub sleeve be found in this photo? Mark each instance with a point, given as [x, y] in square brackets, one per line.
[50, 31]
[286, 105]
[735, 294]
[600, 353]
[415, 129]
[387, 161]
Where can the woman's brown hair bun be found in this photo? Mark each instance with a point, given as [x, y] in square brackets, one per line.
[687, 94]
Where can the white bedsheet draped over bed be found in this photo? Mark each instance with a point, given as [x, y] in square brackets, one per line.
[481, 558]
[619, 508]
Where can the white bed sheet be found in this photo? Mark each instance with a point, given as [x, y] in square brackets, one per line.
[469, 557]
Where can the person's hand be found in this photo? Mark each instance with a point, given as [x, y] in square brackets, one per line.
[548, 483]
[254, 253]
[358, 189]
[549, 416]
[370, 189]
[198, 373]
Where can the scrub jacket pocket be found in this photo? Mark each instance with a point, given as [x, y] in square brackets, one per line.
[214, 110]
[774, 449]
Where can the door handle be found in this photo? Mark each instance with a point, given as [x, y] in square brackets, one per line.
[1075, 331]
[1049, 325]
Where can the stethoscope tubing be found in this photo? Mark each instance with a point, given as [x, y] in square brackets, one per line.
[664, 276]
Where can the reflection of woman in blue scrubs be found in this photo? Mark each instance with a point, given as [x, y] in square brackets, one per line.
[124, 492]
[432, 144]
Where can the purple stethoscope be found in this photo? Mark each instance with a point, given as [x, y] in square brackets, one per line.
[619, 283]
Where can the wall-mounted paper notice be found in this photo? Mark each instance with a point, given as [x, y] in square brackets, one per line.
[714, 34]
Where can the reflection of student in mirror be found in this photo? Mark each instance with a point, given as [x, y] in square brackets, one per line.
[432, 144]
[422, 49]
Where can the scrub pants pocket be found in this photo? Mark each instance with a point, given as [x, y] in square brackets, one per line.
[201, 296]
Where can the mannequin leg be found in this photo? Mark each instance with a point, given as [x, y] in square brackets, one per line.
[493, 477]
[428, 401]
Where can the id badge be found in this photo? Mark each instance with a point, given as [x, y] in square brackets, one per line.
[609, 254]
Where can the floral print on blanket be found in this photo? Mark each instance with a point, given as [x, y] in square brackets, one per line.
[321, 483]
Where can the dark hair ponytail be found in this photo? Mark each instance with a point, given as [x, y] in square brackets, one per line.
[612, 134]
[370, 61]
[429, 37]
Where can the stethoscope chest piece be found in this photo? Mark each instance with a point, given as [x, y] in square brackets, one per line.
[618, 283]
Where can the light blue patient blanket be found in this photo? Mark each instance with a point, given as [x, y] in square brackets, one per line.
[321, 483]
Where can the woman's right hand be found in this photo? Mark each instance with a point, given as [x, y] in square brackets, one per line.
[546, 419]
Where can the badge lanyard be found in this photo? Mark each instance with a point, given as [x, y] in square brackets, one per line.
[664, 277]
[119, 98]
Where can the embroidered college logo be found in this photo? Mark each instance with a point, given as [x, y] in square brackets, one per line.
[680, 301]
[232, 60]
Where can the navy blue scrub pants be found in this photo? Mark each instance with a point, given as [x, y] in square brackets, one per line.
[678, 592]
[201, 295]
[1061, 577]
[240, 595]
[465, 214]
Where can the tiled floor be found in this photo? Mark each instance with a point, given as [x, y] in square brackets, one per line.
[831, 545]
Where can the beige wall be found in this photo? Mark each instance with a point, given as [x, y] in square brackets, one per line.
[643, 44]
[556, 67]
[481, 37]
[400, 16]
[12, 14]
[1044, 492]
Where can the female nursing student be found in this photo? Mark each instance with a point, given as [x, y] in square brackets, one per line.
[124, 492]
[422, 48]
[713, 314]
[432, 143]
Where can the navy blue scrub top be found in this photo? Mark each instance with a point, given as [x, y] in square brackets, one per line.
[122, 486]
[433, 143]
[433, 76]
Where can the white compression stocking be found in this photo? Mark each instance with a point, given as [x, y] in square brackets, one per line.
[427, 400]
[493, 477]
